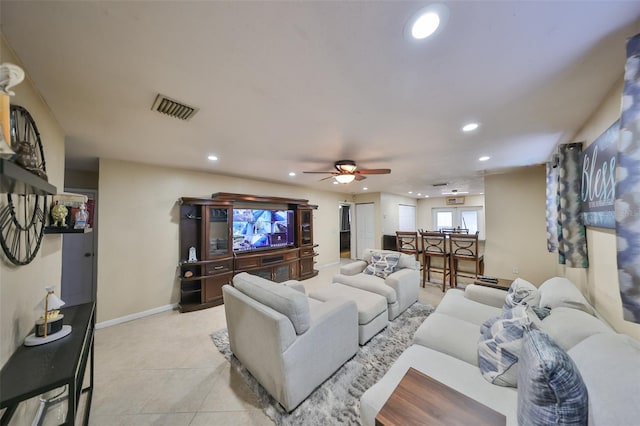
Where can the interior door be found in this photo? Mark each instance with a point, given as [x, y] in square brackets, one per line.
[79, 261]
[365, 228]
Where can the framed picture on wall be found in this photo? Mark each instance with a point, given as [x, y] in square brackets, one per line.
[598, 179]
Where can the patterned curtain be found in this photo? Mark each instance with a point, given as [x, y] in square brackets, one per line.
[552, 207]
[572, 240]
[627, 204]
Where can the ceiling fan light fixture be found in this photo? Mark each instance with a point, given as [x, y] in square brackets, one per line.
[345, 178]
[426, 22]
[346, 166]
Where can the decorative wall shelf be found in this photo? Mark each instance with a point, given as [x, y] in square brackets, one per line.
[56, 230]
[14, 179]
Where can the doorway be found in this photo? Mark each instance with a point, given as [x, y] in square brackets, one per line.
[347, 237]
[79, 257]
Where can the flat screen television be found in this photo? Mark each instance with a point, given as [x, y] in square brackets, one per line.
[255, 229]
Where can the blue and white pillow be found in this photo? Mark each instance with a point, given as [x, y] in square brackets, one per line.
[500, 344]
[551, 390]
[382, 264]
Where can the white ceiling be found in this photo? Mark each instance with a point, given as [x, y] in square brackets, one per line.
[295, 85]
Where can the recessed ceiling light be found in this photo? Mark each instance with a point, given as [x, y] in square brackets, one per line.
[426, 196]
[419, 194]
[426, 22]
[470, 127]
[485, 158]
[365, 188]
[292, 174]
[410, 192]
[212, 158]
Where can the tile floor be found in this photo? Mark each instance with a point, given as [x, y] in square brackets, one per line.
[165, 370]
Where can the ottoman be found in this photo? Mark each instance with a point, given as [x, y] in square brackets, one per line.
[372, 308]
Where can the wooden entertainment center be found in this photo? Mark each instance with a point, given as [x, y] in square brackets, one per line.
[206, 225]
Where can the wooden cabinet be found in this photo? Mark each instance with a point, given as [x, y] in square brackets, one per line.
[205, 227]
[305, 242]
[274, 265]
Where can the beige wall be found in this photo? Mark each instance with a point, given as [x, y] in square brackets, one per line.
[138, 235]
[80, 179]
[600, 281]
[515, 226]
[23, 288]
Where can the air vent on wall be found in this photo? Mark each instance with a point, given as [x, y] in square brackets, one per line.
[173, 108]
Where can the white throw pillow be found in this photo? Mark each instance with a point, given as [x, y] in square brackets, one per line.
[521, 292]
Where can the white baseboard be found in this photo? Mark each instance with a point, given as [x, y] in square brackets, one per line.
[135, 316]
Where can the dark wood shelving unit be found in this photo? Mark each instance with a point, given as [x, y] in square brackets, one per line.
[14, 179]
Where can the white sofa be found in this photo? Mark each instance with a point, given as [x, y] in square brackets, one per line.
[400, 288]
[446, 346]
[289, 342]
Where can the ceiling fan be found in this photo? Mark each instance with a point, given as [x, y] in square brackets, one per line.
[347, 171]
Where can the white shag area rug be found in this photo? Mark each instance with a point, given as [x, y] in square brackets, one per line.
[337, 400]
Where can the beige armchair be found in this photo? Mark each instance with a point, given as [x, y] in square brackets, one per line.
[290, 343]
[400, 287]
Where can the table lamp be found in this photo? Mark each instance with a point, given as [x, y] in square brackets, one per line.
[49, 326]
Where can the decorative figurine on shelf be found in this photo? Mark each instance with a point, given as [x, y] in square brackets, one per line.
[192, 255]
[10, 75]
[81, 217]
[49, 327]
[59, 215]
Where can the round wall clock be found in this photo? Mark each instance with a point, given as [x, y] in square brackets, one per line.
[22, 218]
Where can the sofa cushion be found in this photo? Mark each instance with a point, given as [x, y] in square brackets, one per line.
[521, 292]
[568, 327]
[369, 283]
[559, 291]
[289, 302]
[449, 335]
[609, 364]
[382, 264]
[500, 343]
[455, 304]
[550, 388]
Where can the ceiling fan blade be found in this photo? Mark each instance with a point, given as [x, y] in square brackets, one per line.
[374, 171]
[360, 177]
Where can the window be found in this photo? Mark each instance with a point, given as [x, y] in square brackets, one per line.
[406, 218]
[470, 218]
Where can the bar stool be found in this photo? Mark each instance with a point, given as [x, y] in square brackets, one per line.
[434, 244]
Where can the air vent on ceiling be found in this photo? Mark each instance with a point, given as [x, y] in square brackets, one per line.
[173, 108]
[440, 184]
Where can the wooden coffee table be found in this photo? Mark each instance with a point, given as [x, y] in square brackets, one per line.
[502, 284]
[420, 400]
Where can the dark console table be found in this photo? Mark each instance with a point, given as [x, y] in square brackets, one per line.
[32, 371]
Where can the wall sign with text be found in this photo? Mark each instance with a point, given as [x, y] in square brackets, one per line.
[598, 179]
